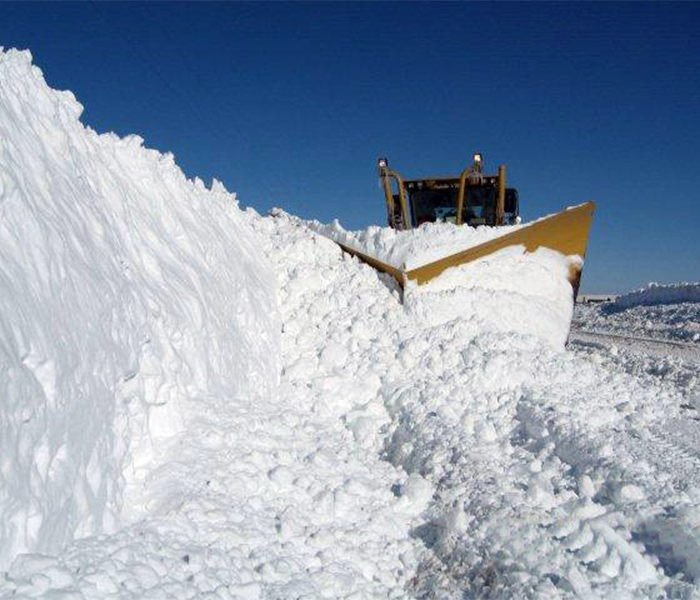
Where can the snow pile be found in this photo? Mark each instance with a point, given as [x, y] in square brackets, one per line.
[414, 247]
[140, 370]
[660, 294]
[281, 498]
[128, 293]
[546, 470]
[506, 291]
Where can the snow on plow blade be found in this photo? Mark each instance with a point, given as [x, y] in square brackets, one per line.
[565, 232]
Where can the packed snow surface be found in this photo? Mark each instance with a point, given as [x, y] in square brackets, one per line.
[414, 247]
[202, 402]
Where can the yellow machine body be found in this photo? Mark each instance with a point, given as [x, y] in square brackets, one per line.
[565, 232]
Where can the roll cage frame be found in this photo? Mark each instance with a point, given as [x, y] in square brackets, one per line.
[401, 215]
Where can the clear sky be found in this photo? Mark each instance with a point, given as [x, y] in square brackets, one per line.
[291, 104]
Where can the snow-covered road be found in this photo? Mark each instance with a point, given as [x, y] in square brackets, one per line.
[650, 352]
[647, 346]
[658, 342]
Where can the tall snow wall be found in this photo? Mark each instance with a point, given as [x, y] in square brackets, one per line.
[126, 293]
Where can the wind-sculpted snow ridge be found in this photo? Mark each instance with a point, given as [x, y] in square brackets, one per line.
[152, 412]
[128, 296]
[660, 294]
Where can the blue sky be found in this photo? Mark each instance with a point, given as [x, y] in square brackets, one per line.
[290, 105]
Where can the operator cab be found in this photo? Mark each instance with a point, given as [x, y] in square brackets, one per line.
[436, 200]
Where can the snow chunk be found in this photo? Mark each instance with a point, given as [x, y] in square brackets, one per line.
[415, 494]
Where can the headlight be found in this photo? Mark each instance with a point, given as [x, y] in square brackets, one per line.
[382, 163]
[478, 157]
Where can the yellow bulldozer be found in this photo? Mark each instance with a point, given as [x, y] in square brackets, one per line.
[472, 199]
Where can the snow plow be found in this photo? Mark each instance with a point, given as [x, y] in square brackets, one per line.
[474, 199]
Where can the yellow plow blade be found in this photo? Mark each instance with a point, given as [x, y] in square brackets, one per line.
[565, 232]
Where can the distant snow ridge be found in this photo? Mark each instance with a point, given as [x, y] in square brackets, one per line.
[126, 291]
[660, 294]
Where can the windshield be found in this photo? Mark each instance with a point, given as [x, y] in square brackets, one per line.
[480, 206]
[433, 205]
[441, 205]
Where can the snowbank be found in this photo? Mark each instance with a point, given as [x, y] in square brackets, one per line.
[415, 247]
[508, 292]
[660, 294]
[126, 292]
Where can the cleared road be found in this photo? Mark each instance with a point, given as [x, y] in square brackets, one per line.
[635, 344]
